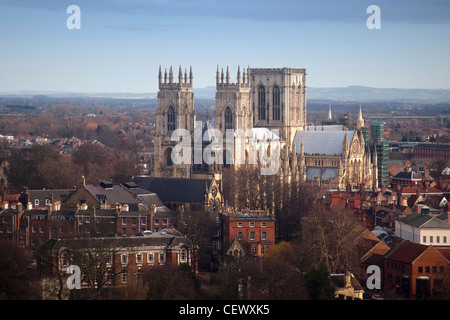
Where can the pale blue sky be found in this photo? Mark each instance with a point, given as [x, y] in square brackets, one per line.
[122, 43]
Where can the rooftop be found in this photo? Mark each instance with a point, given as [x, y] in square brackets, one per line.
[416, 219]
[322, 142]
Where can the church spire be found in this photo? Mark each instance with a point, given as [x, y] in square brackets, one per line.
[180, 77]
[360, 121]
[170, 75]
[239, 75]
[217, 75]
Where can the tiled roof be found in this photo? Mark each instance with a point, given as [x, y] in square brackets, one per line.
[406, 251]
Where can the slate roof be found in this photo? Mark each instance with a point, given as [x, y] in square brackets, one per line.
[164, 238]
[42, 195]
[146, 197]
[175, 189]
[327, 142]
[113, 194]
[416, 219]
[409, 175]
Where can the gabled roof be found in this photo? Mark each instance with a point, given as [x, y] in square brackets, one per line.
[112, 194]
[339, 281]
[416, 219]
[406, 251]
[146, 197]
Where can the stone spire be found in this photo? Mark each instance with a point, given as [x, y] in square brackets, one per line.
[217, 75]
[360, 121]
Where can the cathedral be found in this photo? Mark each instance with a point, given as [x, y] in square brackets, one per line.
[269, 105]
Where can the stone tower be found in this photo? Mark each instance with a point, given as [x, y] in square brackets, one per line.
[279, 100]
[175, 110]
[233, 105]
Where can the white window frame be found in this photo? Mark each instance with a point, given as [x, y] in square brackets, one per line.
[163, 256]
[183, 255]
[264, 235]
[124, 259]
[139, 259]
[150, 258]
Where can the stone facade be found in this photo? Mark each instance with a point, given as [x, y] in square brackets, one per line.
[175, 111]
[263, 103]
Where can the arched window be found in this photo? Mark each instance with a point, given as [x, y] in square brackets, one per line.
[261, 103]
[228, 117]
[171, 119]
[168, 157]
[276, 103]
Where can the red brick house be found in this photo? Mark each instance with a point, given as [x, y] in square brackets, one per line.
[248, 233]
[120, 259]
[414, 271]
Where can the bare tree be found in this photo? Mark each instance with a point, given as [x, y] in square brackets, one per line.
[329, 237]
[16, 275]
[97, 259]
[196, 227]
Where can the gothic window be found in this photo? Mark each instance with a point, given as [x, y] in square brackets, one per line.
[171, 119]
[168, 157]
[276, 103]
[228, 117]
[261, 96]
[261, 103]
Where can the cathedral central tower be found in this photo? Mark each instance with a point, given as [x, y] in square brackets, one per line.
[279, 100]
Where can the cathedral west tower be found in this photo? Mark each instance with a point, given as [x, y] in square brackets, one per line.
[175, 110]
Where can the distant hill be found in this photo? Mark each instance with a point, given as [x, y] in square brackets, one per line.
[360, 94]
[368, 94]
[345, 94]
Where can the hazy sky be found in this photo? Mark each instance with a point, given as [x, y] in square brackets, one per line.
[122, 43]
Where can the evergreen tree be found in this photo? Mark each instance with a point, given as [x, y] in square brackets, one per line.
[318, 284]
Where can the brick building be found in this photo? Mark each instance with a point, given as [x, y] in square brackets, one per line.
[413, 270]
[431, 151]
[119, 260]
[248, 233]
[89, 211]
